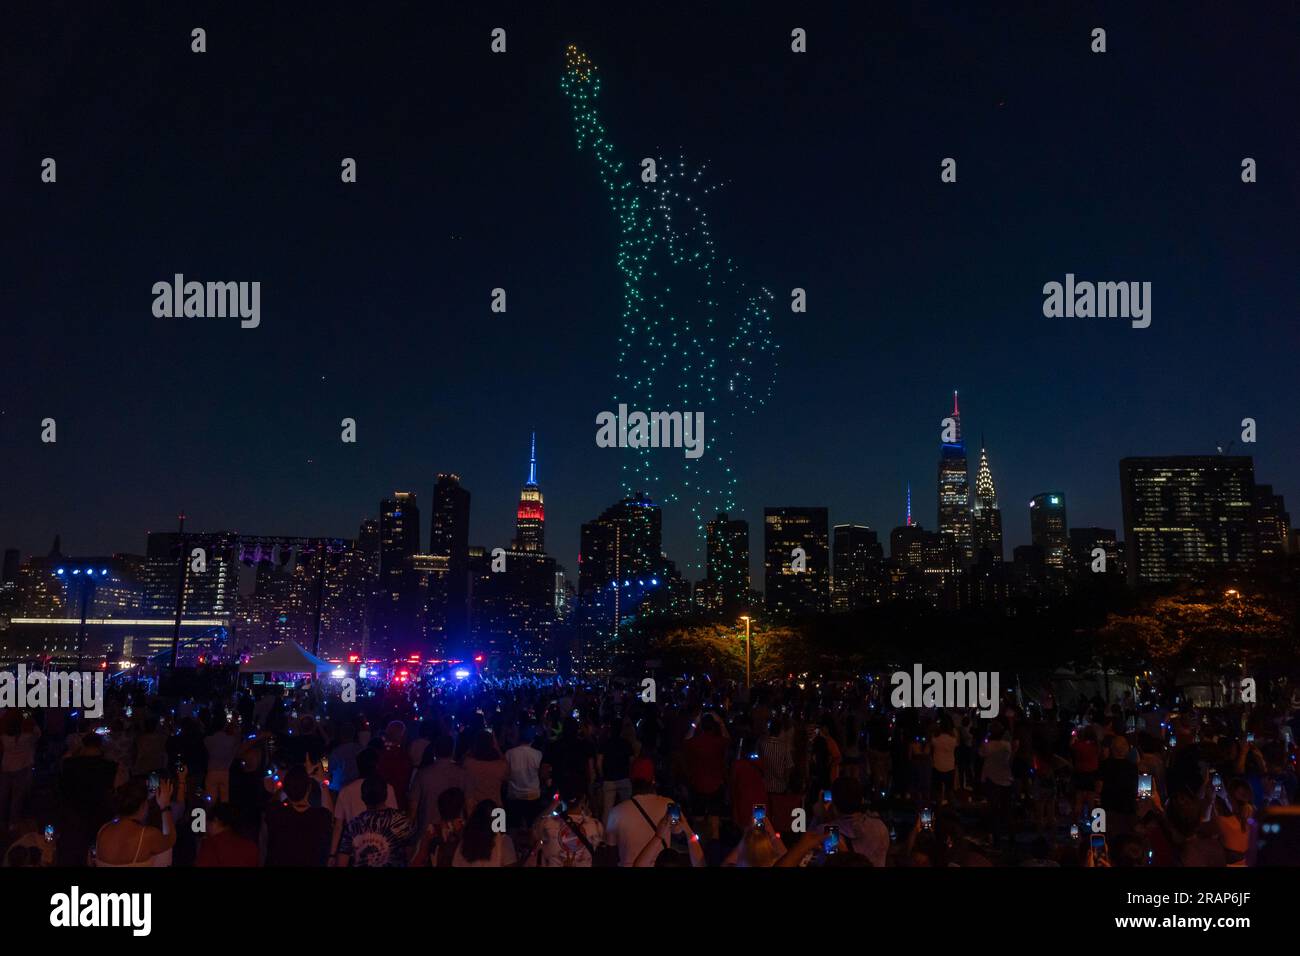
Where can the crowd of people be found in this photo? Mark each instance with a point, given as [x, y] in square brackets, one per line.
[494, 773]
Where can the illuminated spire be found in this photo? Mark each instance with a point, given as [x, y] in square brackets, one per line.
[909, 504]
[985, 494]
[532, 463]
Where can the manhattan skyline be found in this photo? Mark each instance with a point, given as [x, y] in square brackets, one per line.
[375, 295]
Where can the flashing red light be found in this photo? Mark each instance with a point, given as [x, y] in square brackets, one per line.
[478, 658]
[103, 665]
[414, 657]
[353, 658]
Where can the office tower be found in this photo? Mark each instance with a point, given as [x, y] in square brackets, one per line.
[1187, 514]
[349, 583]
[924, 565]
[1047, 528]
[727, 564]
[954, 491]
[625, 541]
[530, 518]
[397, 611]
[796, 560]
[213, 592]
[620, 567]
[857, 563]
[514, 608]
[449, 537]
[986, 517]
[1272, 523]
[11, 562]
[1085, 541]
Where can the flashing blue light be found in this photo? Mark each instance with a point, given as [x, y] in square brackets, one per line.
[59, 571]
[627, 584]
[76, 570]
[654, 580]
[103, 572]
[460, 673]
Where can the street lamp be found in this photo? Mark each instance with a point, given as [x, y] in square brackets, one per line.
[745, 618]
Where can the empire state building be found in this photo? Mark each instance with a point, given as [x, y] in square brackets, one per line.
[530, 519]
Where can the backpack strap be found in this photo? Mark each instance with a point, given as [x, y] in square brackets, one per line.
[577, 831]
[653, 829]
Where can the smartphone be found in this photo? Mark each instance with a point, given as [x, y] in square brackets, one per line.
[1173, 741]
[573, 714]
[927, 818]
[325, 764]
[674, 813]
[153, 783]
[1216, 782]
[760, 816]
[826, 796]
[101, 730]
[1144, 786]
[49, 833]
[831, 844]
[1074, 832]
[1098, 844]
[1250, 738]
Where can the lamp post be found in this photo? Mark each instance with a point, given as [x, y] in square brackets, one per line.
[745, 618]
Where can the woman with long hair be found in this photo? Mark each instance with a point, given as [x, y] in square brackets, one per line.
[480, 844]
[128, 839]
[486, 771]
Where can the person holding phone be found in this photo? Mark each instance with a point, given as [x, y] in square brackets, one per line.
[1117, 787]
[673, 823]
[630, 825]
[128, 840]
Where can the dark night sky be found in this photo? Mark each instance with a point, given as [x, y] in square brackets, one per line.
[225, 166]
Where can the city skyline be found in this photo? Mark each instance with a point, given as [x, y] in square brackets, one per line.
[528, 530]
[375, 302]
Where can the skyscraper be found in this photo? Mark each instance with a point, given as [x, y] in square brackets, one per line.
[397, 612]
[1187, 513]
[954, 491]
[986, 517]
[449, 538]
[727, 563]
[1272, 523]
[1047, 528]
[856, 578]
[530, 519]
[1084, 541]
[796, 560]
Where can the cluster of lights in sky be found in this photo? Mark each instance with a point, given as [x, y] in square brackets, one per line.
[693, 337]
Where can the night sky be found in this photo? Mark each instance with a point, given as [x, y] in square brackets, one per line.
[375, 296]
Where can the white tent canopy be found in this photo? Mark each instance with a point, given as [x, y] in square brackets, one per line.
[287, 658]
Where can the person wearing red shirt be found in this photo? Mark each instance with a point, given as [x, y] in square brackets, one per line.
[706, 772]
[747, 789]
[223, 845]
[1087, 759]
